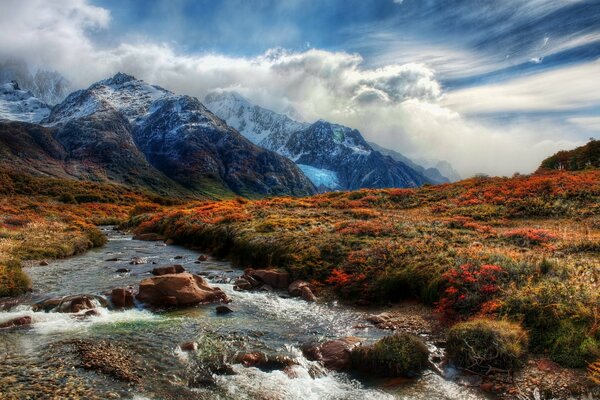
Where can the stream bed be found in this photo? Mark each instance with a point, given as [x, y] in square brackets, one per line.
[262, 321]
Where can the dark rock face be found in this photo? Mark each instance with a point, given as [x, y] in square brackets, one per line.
[343, 150]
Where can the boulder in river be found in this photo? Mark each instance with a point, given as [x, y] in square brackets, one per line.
[80, 302]
[275, 278]
[307, 294]
[138, 261]
[174, 290]
[188, 346]
[169, 269]
[43, 263]
[202, 257]
[222, 310]
[122, 297]
[295, 288]
[16, 322]
[122, 271]
[150, 237]
[334, 354]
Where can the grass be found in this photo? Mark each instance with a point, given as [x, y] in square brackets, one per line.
[484, 344]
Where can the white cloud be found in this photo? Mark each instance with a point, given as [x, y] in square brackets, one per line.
[564, 89]
[398, 105]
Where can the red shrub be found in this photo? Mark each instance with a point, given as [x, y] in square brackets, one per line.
[468, 288]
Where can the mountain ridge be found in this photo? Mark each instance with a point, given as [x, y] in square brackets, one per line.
[334, 157]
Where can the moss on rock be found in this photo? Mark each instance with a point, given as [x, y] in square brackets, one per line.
[401, 354]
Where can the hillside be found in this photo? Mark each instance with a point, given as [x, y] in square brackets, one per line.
[584, 157]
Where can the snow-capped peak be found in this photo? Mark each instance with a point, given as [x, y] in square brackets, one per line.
[21, 105]
[124, 93]
[261, 126]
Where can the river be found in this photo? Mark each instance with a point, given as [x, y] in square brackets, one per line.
[261, 321]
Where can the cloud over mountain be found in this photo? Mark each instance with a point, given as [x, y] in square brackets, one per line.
[399, 105]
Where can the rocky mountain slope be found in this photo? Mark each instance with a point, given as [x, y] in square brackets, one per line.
[432, 173]
[333, 156]
[48, 86]
[20, 105]
[124, 130]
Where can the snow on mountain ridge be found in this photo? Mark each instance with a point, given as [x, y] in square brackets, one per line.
[123, 93]
[21, 105]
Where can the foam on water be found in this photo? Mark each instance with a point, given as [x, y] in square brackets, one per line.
[252, 383]
[44, 323]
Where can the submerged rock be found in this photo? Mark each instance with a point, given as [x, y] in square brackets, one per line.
[169, 269]
[107, 358]
[138, 261]
[174, 290]
[222, 310]
[188, 346]
[70, 304]
[122, 271]
[150, 237]
[16, 322]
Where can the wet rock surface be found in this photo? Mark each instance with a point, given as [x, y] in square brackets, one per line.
[176, 290]
[334, 354]
[168, 269]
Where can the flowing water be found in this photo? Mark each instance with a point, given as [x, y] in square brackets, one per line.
[261, 321]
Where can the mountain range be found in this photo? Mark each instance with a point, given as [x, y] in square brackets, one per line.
[127, 131]
[124, 130]
[333, 156]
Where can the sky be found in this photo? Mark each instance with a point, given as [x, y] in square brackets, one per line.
[491, 86]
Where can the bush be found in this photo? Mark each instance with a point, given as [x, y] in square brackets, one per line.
[482, 344]
[13, 280]
[96, 237]
[402, 354]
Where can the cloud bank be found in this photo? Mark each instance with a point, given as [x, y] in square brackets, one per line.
[401, 106]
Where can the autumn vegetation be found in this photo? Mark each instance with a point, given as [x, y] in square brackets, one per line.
[42, 218]
[523, 250]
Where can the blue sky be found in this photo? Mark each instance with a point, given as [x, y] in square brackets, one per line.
[492, 86]
[513, 37]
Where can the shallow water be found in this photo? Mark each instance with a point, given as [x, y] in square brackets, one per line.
[261, 322]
